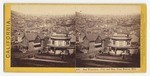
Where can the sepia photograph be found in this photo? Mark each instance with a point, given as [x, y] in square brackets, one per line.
[75, 36]
[43, 36]
[108, 36]
[61, 36]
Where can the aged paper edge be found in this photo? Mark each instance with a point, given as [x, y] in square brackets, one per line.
[7, 48]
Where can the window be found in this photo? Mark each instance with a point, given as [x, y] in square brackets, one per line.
[98, 46]
[39, 45]
[128, 42]
[114, 42]
[121, 43]
[60, 43]
[67, 42]
[53, 41]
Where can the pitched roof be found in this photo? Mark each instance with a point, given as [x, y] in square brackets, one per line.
[92, 36]
[103, 35]
[31, 36]
[41, 35]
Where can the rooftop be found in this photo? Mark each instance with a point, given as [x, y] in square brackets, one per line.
[60, 38]
[120, 38]
[59, 30]
[31, 36]
[91, 36]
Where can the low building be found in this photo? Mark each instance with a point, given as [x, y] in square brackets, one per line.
[59, 41]
[92, 42]
[119, 44]
[81, 36]
[135, 38]
[32, 42]
[18, 36]
[32, 30]
[73, 38]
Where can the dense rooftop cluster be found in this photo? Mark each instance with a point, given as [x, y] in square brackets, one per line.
[81, 23]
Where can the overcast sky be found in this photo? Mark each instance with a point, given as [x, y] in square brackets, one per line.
[47, 9]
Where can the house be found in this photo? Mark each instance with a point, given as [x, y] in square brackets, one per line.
[135, 39]
[105, 40]
[18, 41]
[72, 34]
[32, 41]
[18, 36]
[32, 30]
[81, 36]
[59, 40]
[23, 46]
[35, 41]
[92, 42]
[119, 44]
[45, 31]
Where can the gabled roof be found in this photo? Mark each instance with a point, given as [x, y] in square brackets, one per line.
[41, 35]
[31, 36]
[92, 36]
[104, 36]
